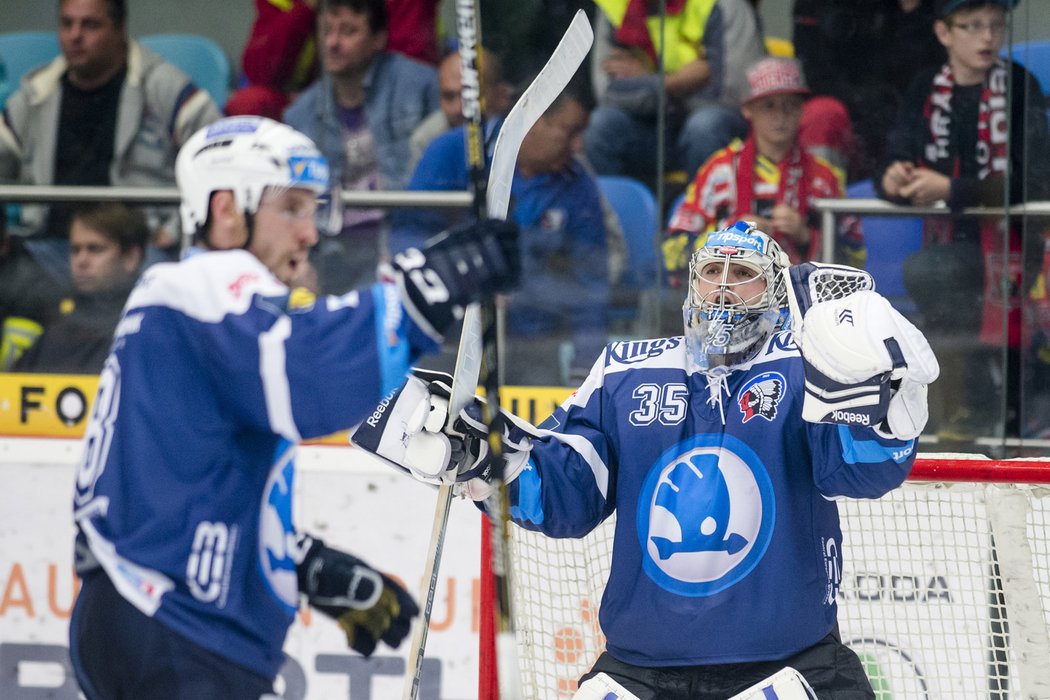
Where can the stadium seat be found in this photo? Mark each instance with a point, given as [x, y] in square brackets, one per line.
[20, 52]
[889, 240]
[199, 57]
[635, 206]
[1034, 56]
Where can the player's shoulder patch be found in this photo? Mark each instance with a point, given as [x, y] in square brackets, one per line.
[761, 395]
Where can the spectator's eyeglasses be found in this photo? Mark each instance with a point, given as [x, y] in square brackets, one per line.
[976, 28]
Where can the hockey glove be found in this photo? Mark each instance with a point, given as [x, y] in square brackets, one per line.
[639, 95]
[405, 429]
[475, 466]
[865, 364]
[367, 604]
[455, 268]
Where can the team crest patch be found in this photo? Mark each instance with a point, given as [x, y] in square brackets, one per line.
[761, 396]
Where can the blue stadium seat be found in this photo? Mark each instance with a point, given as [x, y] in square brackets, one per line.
[20, 52]
[198, 57]
[635, 206]
[889, 240]
[1034, 56]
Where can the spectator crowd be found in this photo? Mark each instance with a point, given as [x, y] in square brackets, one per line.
[722, 121]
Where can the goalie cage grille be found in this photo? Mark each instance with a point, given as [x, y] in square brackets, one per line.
[831, 282]
[945, 587]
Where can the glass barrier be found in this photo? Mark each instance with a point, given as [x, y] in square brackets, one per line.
[972, 277]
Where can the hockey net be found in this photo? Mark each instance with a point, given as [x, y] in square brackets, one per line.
[945, 587]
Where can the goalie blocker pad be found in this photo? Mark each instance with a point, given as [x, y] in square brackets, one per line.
[404, 431]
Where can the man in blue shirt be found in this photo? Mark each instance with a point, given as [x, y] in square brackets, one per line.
[558, 320]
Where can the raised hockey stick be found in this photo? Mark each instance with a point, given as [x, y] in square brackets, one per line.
[534, 102]
[539, 96]
[468, 357]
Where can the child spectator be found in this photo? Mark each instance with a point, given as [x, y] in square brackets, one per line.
[768, 179]
[967, 131]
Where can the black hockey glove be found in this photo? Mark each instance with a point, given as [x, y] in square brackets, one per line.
[367, 604]
[469, 437]
[457, 267]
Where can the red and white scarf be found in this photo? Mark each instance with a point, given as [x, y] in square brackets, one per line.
[795, 179]
[992, 159]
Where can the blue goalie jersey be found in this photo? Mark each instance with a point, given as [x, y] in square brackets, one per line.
[184, 492]
[727, 544]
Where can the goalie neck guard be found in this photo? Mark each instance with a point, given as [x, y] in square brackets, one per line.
[736, 297]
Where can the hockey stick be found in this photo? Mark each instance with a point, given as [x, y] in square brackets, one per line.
[468, 357]
[534, 102]
[539, 96]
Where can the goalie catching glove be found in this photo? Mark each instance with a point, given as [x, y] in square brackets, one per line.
[412, 431]
[368, 605]
[865, 363]
[460, 266]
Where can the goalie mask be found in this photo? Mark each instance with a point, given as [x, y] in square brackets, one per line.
[736, 296]
[247, 156]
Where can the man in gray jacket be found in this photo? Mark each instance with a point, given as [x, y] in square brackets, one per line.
[106, 112]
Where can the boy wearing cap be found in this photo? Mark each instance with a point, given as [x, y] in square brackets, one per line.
[966, 131]
[768, 179]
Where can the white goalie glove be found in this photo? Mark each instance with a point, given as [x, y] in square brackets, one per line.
[412, 431]
[865, 363]
[405, 430]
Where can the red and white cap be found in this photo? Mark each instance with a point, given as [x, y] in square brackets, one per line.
[776, 75]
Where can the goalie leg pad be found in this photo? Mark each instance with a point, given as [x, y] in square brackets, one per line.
[602, 687]
[785, 684]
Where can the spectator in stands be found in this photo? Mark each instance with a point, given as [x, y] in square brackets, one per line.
[107, 245]
[960, 141]
[280, 57]
[495, 92]
[858, 58]
[413, 29]
[768, 179]
[27, 297]
[106, 112]
[704, 66]
[562, 306]
[361, 113]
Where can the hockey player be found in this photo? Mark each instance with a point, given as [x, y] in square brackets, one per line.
[722, 453]
[192, 569]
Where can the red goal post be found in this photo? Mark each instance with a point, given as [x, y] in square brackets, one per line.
[945, 588]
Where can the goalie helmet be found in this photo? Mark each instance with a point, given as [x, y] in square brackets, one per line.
[728, 316]
[245, 155]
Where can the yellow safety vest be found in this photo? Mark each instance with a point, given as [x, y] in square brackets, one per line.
[685, 30]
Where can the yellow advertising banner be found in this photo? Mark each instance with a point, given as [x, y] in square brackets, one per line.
[58, 405]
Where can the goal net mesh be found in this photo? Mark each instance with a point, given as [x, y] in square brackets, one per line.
[945, 587]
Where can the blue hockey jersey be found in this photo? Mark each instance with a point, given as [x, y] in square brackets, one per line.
[727, 543]
[184, 492]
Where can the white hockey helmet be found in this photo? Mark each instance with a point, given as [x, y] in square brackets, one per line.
[722, 327]
[245, 155]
